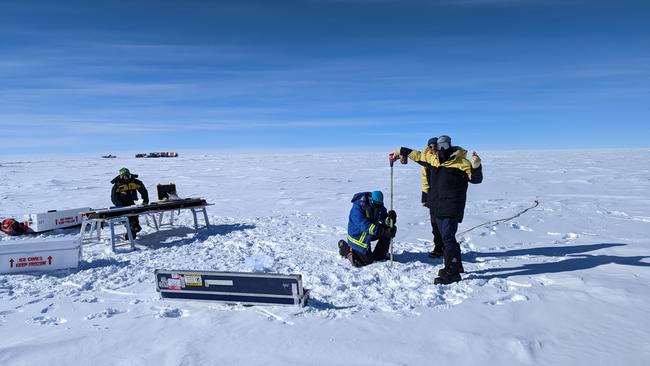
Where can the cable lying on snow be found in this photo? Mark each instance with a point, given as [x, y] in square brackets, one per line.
[502, 220]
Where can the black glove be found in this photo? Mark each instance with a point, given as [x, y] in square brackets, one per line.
[393, 231]
[392, 215]
[425, 200]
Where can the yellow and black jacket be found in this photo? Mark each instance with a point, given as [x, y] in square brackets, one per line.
[447, 181]
[124, 191]
[424, 179]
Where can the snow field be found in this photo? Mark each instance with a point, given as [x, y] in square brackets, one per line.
[565, 282]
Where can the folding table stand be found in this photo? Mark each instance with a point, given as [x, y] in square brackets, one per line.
[93, 221]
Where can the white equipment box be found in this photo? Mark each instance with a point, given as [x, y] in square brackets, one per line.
[18, 256]
[54, 219]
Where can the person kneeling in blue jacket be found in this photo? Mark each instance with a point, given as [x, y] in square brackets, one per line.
[368, 221]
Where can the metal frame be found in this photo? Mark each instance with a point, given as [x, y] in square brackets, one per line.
[121, 220]
[97, 222]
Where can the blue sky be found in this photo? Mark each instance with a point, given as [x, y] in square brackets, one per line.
[113, 76]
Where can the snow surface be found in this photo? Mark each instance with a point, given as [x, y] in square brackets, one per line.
[564, 284]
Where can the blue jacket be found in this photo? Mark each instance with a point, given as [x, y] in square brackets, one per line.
[364, 221]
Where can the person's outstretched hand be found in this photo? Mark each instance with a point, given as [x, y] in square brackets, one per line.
[476, 160]
[392, 157]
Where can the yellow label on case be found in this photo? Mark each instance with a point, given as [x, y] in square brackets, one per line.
[193, 280]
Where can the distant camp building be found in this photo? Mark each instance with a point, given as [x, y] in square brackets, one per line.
[164, 154]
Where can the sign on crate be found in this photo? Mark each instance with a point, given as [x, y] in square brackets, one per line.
[37, 255]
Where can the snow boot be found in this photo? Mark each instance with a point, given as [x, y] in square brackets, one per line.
[451, 272]
[460, 269]
[353, 260]
[447, 278]
[436, 254]
[344, 249]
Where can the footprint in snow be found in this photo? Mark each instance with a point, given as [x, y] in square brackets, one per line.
[571, 236]
[28, 303]
[107, 313]
[519, 227]
[641, 218]
[545, 281]
[47, 308]
[508, 299]
[171, 313]
[88, 300]
[46, 320]
[618, 213]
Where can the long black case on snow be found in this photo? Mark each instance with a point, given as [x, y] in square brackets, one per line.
[232, 287]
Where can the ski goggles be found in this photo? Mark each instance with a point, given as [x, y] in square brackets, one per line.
[443, 145]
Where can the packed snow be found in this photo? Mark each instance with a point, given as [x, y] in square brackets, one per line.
[566, 283]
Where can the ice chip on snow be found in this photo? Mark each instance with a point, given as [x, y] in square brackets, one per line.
[259, 263]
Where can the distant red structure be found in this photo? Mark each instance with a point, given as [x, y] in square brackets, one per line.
[163, 154]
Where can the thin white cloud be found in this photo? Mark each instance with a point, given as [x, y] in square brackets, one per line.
[40, 142]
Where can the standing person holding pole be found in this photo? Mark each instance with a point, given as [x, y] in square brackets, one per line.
[429, 155]
[448, 175]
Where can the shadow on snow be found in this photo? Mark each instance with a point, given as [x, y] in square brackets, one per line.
[83, 266]
[320, 305]
[553, 251]
[157, 239]
[571, 258]
[406, 257]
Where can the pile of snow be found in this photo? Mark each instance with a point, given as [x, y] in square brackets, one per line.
[565, 283]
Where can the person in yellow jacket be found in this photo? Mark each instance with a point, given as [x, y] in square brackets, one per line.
[126, 187]
[448, 173]
[438, 246]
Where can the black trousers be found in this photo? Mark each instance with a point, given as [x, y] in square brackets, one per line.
[134, 221]
[380, 252]
[438, 245]
[448, 228]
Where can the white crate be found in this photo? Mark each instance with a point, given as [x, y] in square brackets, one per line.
[17, 256]
[54, 219]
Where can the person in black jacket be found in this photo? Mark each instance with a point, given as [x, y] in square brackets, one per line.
[448, 174]
[124, 193]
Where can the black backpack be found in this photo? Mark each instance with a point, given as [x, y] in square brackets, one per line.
[12, 227]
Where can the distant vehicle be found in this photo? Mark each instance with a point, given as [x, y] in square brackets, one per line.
[109, 156]
[164, 154]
